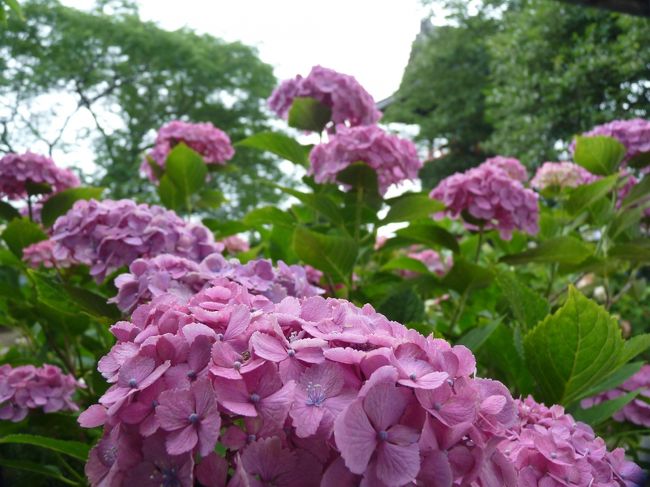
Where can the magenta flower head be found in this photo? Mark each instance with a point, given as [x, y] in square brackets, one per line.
[19, 169]
[560, 175]
[305, 391]
[638, 410]
[204, 138]
[106, 235]
[28, 387]
[393, 159]
[634, 134]
[513, 167]
[350, 103]
[489, 194]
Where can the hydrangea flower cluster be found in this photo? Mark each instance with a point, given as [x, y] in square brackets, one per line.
[432, 260]
[634, 134]
[18, 169]
[561, 175]
[206, 139]
[150, 278]
[548, 447]
[513, 167]
[235, 244]
[108, 234]
[42, 254]
[302, 392]
[488, 193]
[394, 159]
[28, 387]
[638, 410]
[350, 103]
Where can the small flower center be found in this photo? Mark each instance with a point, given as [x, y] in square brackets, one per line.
[382, 435]
[553, 455]
[315, 395]
[255, 398]
[437, 406]
[169, 477]
[251, 438]
[291, 352]
[219, 337]
[154, 404]
[193, 418]
[133, 383]
[413, 376]
[191, 375]
[236, 365]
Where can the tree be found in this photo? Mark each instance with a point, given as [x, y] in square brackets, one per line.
[127, 77]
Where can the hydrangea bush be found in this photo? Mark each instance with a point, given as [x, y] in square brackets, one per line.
[490, 331]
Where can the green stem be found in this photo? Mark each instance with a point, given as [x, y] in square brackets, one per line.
[29, 208]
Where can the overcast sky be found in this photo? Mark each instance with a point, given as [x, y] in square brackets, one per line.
[369, 39]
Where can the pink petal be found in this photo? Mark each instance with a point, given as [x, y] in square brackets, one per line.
[181, 440]
[240, 318]
[384, 404]
[355, 437]
[92, 417]
[268, 347]
[397, 465]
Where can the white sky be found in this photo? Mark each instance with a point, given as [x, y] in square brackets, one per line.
[369, 39]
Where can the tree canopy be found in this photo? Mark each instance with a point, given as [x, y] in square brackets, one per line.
[128, 77]
[520, 78]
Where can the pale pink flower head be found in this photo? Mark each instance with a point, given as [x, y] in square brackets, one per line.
[19, 169]
[42, 254]
[560, 175]
[434, 262]
[350, 103]
[512, 167]
[204, 138]
[634, 134]
[235, 244]
[394, 159]
[488, 194]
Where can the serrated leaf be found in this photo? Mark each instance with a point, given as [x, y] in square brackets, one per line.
[570, 351]
[477, 336]
[561, 250]
[35, 189]
[624, 220]
[334, 255]
[430, 235]
[52, 293]
[615, 378]
[21, 232]
[268, 215]
[412, 207]
[405, 263]
[210, 199]
[362, 180]
[635, 346]
[640, 193]
[403, 305]
[93, 303]
[186, 170]
[169, 194]
[465, 276]
[603, 411]
[279, 144]
[640, 160]
[59, 203]
[309, 114]
[8, 212]
[635, 251]
[74, 449]
[586, 195]
[321, 203]
[599, 154]
[528, 307]
[225, 228]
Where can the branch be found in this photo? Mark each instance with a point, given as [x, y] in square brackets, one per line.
[633, 7]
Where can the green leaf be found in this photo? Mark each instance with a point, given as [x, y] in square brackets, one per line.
[573, 349]
[8, 212]
[476, 337]
[321, 203]
[640, 160]
[404, 306]
[34, 189]
[268, 215]
[635, 251]
[186, 170]
[528, 307]
[405, 263]
[280, 145]
[615, 378]
[625, 219]
[412, 207]
[74, 449]
[157, 171]
[59, 204]
[225, 228]
[21, 232]
[562, 250]
[15, 7]
[635, 346]
[309, 114]
[603, 411]
[210, 199]
[640, 193]
[599, 154]
[52, 293]
[586, 195]
[38, 468]
[363, 182]
[93, 303]
[465, 276]
[169, 194]
[430, 235]
[332, 254]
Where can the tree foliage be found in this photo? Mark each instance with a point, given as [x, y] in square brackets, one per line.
[127, 78]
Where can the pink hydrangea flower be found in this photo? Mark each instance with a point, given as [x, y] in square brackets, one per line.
[42, 254]
[28, 387]
[433, 261]
[561, 175]
[394, 159]
[350, 102]
[235, 244]
[513, 167]
[548, 447]
[18, 169]
[638, 410]
[310, 391]
[489, 194]
[106, 235]
[210, 142]
[634, 134]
